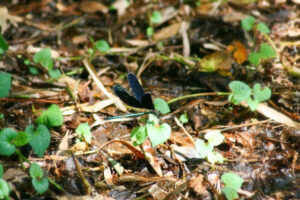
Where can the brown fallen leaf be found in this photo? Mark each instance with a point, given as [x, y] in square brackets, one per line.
[167, 32]
[6, 19]
[156, 192]
[196, 182]
[92, 7]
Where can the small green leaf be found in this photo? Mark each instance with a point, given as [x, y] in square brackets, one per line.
[40, 139]
[22, 139]
[158, 134]
[5, 82]
[252, 103]
[230, 193]
[247, 23]
[33, 71]
[4, 189]
[83, 130]
[44, 58]
[7, 135]
[214, 137]
[214, 157]
[149, 31]
[54, 73]
[102, 46]
[156, 17]
[40, 185]
[240, 91]
[261, 94]
[138, 135]
[51, 117]
[183, 118]
[153, 119]
[161, 105]
[1, 171]
[266, 51]
[262, 27]
[202, 148]
[232, 180]
[254, 58]
[36, 171]
[3, 45]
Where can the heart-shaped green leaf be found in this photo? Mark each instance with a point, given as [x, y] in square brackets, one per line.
[40, 139]
[240, 91]
[40, 185]
[4, 189]
[214, 137]
[51, 117]
[7, 136]
[261, 94]
[161, 105]
[158, 134]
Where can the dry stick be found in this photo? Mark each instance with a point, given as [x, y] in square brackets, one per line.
[184, 130]
[94, 76]
[81, 175]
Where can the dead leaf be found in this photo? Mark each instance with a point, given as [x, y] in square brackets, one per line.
[167, 32]
[92, 7]
[63, 146]
[156, 192]
[6, 19]
[120, 6]
[219, 61]
[80, 146]
[196, 182]
[239, 52]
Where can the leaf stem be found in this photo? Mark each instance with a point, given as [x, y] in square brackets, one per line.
[198, 95]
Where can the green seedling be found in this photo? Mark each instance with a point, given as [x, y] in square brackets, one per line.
[51, 117]
[265, 51]
[102, 46]
[183, 118]
[242, 92]
[156, 133]
[84, 132]
[39, 182]
[44, 58]
[155, 18]
[232, 184]
[206, 149]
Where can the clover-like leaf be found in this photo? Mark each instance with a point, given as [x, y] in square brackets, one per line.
[261, 94]
[240, 91]
[203, 148]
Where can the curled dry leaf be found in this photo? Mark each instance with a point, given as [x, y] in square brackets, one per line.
[196, 182]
